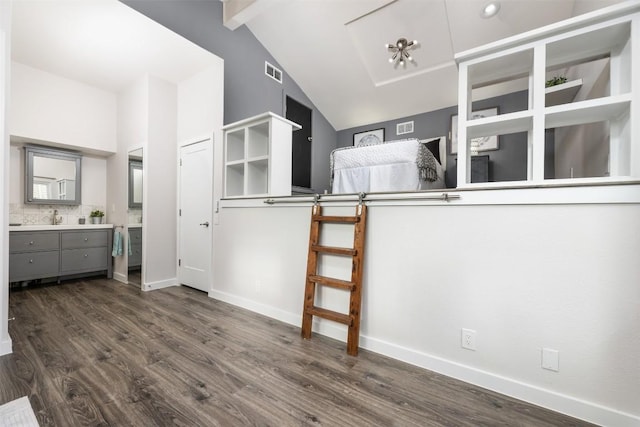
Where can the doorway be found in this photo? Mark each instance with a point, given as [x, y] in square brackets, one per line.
[301, 143]
[195, 215]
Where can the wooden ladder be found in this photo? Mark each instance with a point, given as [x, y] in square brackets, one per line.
[352, 319]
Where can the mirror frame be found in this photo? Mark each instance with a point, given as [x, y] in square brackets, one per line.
[133, 165]
[52, 153]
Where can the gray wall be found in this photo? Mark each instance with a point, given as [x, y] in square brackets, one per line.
[508, 163]
[247, 90]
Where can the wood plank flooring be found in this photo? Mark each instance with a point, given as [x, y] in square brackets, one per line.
[97, 353]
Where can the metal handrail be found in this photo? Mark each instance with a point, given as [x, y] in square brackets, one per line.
[361, 197]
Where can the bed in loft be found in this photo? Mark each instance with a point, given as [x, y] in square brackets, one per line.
[402, 165]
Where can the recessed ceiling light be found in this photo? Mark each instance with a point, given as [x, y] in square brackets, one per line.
[490, 10]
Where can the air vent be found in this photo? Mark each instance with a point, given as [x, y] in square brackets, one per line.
[273, 72]
[402, 128]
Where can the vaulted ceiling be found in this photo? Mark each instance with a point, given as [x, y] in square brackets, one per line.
[100, 43]
[335, 49]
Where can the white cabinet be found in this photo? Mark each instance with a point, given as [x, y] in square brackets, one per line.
[257, 156]
[596, 132]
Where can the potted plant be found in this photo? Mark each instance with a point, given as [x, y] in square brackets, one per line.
[96, 216]
[556, 80]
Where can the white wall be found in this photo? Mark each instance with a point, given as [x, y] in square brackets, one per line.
[133, 118]
[68, 112]
[524, 277]
[200, 104]
[5, 72]
[160, 169]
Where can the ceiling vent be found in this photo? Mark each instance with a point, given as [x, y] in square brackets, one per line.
[273, 72]
[404, 128]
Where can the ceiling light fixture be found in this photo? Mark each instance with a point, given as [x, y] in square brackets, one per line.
[490, 10]
[400, 50]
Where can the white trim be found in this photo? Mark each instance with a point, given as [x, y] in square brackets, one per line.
[257, 307]
[122, 278]
[539, 396]
[160, 284]
[5, 347]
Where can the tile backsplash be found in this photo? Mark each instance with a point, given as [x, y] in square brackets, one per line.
[135, 216]
[43, 214]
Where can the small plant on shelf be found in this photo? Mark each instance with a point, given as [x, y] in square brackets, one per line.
[96, 216]
[558, 80]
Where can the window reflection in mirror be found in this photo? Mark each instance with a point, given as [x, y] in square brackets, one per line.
[52, 176]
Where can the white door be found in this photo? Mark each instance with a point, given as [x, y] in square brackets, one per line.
[195, 219]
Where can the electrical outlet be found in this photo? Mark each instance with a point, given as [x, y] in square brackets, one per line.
[468, 339]
[550, 359]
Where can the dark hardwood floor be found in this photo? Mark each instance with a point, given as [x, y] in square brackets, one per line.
[97, 352]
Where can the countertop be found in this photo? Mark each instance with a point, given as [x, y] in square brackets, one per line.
[47, 227]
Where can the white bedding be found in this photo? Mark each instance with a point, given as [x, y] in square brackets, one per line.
[379, 168]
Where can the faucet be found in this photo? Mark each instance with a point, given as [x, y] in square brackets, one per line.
[55, 220]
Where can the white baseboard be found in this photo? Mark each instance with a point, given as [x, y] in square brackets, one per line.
[122, 278]
[256, 307]
[6, 347]
[549, 399]
[160, 284]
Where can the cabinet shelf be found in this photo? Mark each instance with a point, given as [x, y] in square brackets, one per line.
[258, 156]
[590, 111]
[562, 94]
[500, 125]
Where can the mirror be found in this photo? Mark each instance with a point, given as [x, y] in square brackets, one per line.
[52, 176]
[135, 182]
[135, 217]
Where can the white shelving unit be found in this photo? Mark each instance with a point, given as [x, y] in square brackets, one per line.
[257, 156]
[604, 35]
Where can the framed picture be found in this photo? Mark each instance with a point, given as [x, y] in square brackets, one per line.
[369, 137]
[484, 143]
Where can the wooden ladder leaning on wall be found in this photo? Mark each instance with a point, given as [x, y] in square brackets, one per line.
[354, 286]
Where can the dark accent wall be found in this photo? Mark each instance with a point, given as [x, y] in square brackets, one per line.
[247, 90]
[508, 163]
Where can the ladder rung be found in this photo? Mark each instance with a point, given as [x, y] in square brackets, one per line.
[329, 315]
[336, 283]
[324, 218]
[333, 250]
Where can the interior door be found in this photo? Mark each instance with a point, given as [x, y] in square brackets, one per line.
[301, 148]
[195, 216]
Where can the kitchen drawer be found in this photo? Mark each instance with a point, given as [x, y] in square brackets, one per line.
[33, 265]
[86, 259]
[135, 259]
[83, 239]
[21, 241]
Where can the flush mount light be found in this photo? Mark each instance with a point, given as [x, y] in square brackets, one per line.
[490, 10]
[400, 50]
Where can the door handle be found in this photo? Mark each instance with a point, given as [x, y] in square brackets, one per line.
[206, 224]
[309, 139]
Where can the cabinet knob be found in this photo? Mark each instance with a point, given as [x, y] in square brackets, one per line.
[31, 242]
[86, 255]
[86, 239]
[30, 261]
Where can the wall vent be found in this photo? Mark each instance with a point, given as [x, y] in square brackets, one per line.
[273, 72]
[402, 128]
